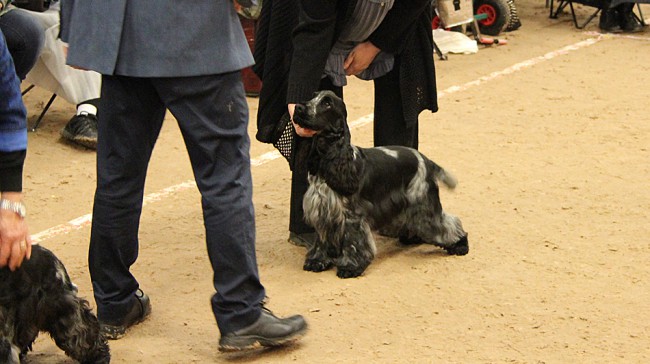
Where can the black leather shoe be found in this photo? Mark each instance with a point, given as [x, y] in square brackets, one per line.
[306, 240]
[139, 311]
[267, 331]
[609, 21]
[82, 130]
[627, 20]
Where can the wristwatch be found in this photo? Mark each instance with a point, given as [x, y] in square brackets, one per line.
[15, 206]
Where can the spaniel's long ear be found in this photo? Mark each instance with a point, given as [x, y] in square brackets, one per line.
[341, 171]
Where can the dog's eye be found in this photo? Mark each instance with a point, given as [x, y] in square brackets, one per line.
[327, 104]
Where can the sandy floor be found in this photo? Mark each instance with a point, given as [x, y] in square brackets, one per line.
[548, 136]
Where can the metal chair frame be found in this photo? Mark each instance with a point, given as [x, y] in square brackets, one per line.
[45, 109]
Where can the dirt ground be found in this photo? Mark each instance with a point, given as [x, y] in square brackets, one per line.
[548, 136]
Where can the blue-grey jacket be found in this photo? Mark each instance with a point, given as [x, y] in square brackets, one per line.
[154, 38]
[13, 124]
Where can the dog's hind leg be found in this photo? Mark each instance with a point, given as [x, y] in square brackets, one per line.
[75, 329]
[357, 249]
[430, 223]
[447, 232]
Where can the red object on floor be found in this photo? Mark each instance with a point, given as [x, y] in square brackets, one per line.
[252, 83]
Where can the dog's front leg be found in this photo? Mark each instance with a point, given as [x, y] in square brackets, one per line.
[358, 249]
[317, 259]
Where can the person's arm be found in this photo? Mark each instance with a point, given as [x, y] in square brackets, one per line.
[389, 36]
[312, 42]
[313, 38]
[399, 21]
[15, 242]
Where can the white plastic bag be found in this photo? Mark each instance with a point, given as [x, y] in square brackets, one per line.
[454, 42]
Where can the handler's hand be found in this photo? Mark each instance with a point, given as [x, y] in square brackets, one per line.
[360, 58]
[303, 132]
[15, 242]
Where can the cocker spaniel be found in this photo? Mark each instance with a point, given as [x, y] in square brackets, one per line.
[39, 296]
[353, 191]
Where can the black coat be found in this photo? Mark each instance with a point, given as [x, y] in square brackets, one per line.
[292, 75]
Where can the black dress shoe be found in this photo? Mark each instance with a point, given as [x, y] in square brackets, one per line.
[627, 20]
[139, 311]
[609, 21]
[267, 331]
[82, 130]
[306, 240]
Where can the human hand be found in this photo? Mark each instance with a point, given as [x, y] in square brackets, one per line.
[303, 132]
[15, 242]
[360, 58]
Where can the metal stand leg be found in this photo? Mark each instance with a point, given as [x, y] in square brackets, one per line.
[40, 118]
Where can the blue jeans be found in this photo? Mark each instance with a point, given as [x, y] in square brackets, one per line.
[25, 38]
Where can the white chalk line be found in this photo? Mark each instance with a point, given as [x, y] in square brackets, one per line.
[85, 220]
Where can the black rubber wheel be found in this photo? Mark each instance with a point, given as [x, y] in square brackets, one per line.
[498, 15]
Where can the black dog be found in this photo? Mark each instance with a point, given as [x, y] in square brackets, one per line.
[39, 296]
[354, 190]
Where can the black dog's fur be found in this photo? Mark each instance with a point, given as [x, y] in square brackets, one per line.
[353, 190]
[39, 296]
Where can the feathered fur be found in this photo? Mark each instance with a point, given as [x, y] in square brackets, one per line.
[354, 191]
[39, 296]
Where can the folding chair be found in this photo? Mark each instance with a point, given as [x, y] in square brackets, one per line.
[47, 107]
[598, 4]
[562, 4]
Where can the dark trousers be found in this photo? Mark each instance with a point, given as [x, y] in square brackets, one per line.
[212, 114]
[25, 38]
[389, 128]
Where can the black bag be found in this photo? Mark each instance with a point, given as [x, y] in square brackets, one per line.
[33, 5]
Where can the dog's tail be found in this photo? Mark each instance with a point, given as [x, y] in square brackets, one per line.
[445, 177]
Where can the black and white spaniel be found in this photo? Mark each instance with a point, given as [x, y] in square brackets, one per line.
[39, 296]
[353, 191]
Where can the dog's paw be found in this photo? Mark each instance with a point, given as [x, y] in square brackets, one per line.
[461, 247]
[316, 265]
[349, 271]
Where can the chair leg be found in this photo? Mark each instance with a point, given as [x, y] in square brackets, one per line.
[27, 90]
[640, 16]
[443, 57]
[40, 118]
[560, 6]
[588, 19]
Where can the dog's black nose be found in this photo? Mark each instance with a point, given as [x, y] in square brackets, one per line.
[300, 109]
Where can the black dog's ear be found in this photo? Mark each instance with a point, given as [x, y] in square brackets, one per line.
[339, 169]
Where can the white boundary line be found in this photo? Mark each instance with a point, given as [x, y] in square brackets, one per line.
[85, 220]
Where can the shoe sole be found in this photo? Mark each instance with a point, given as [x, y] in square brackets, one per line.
[83, 141]
[299, 242]
[252, 342]
[111, 332]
